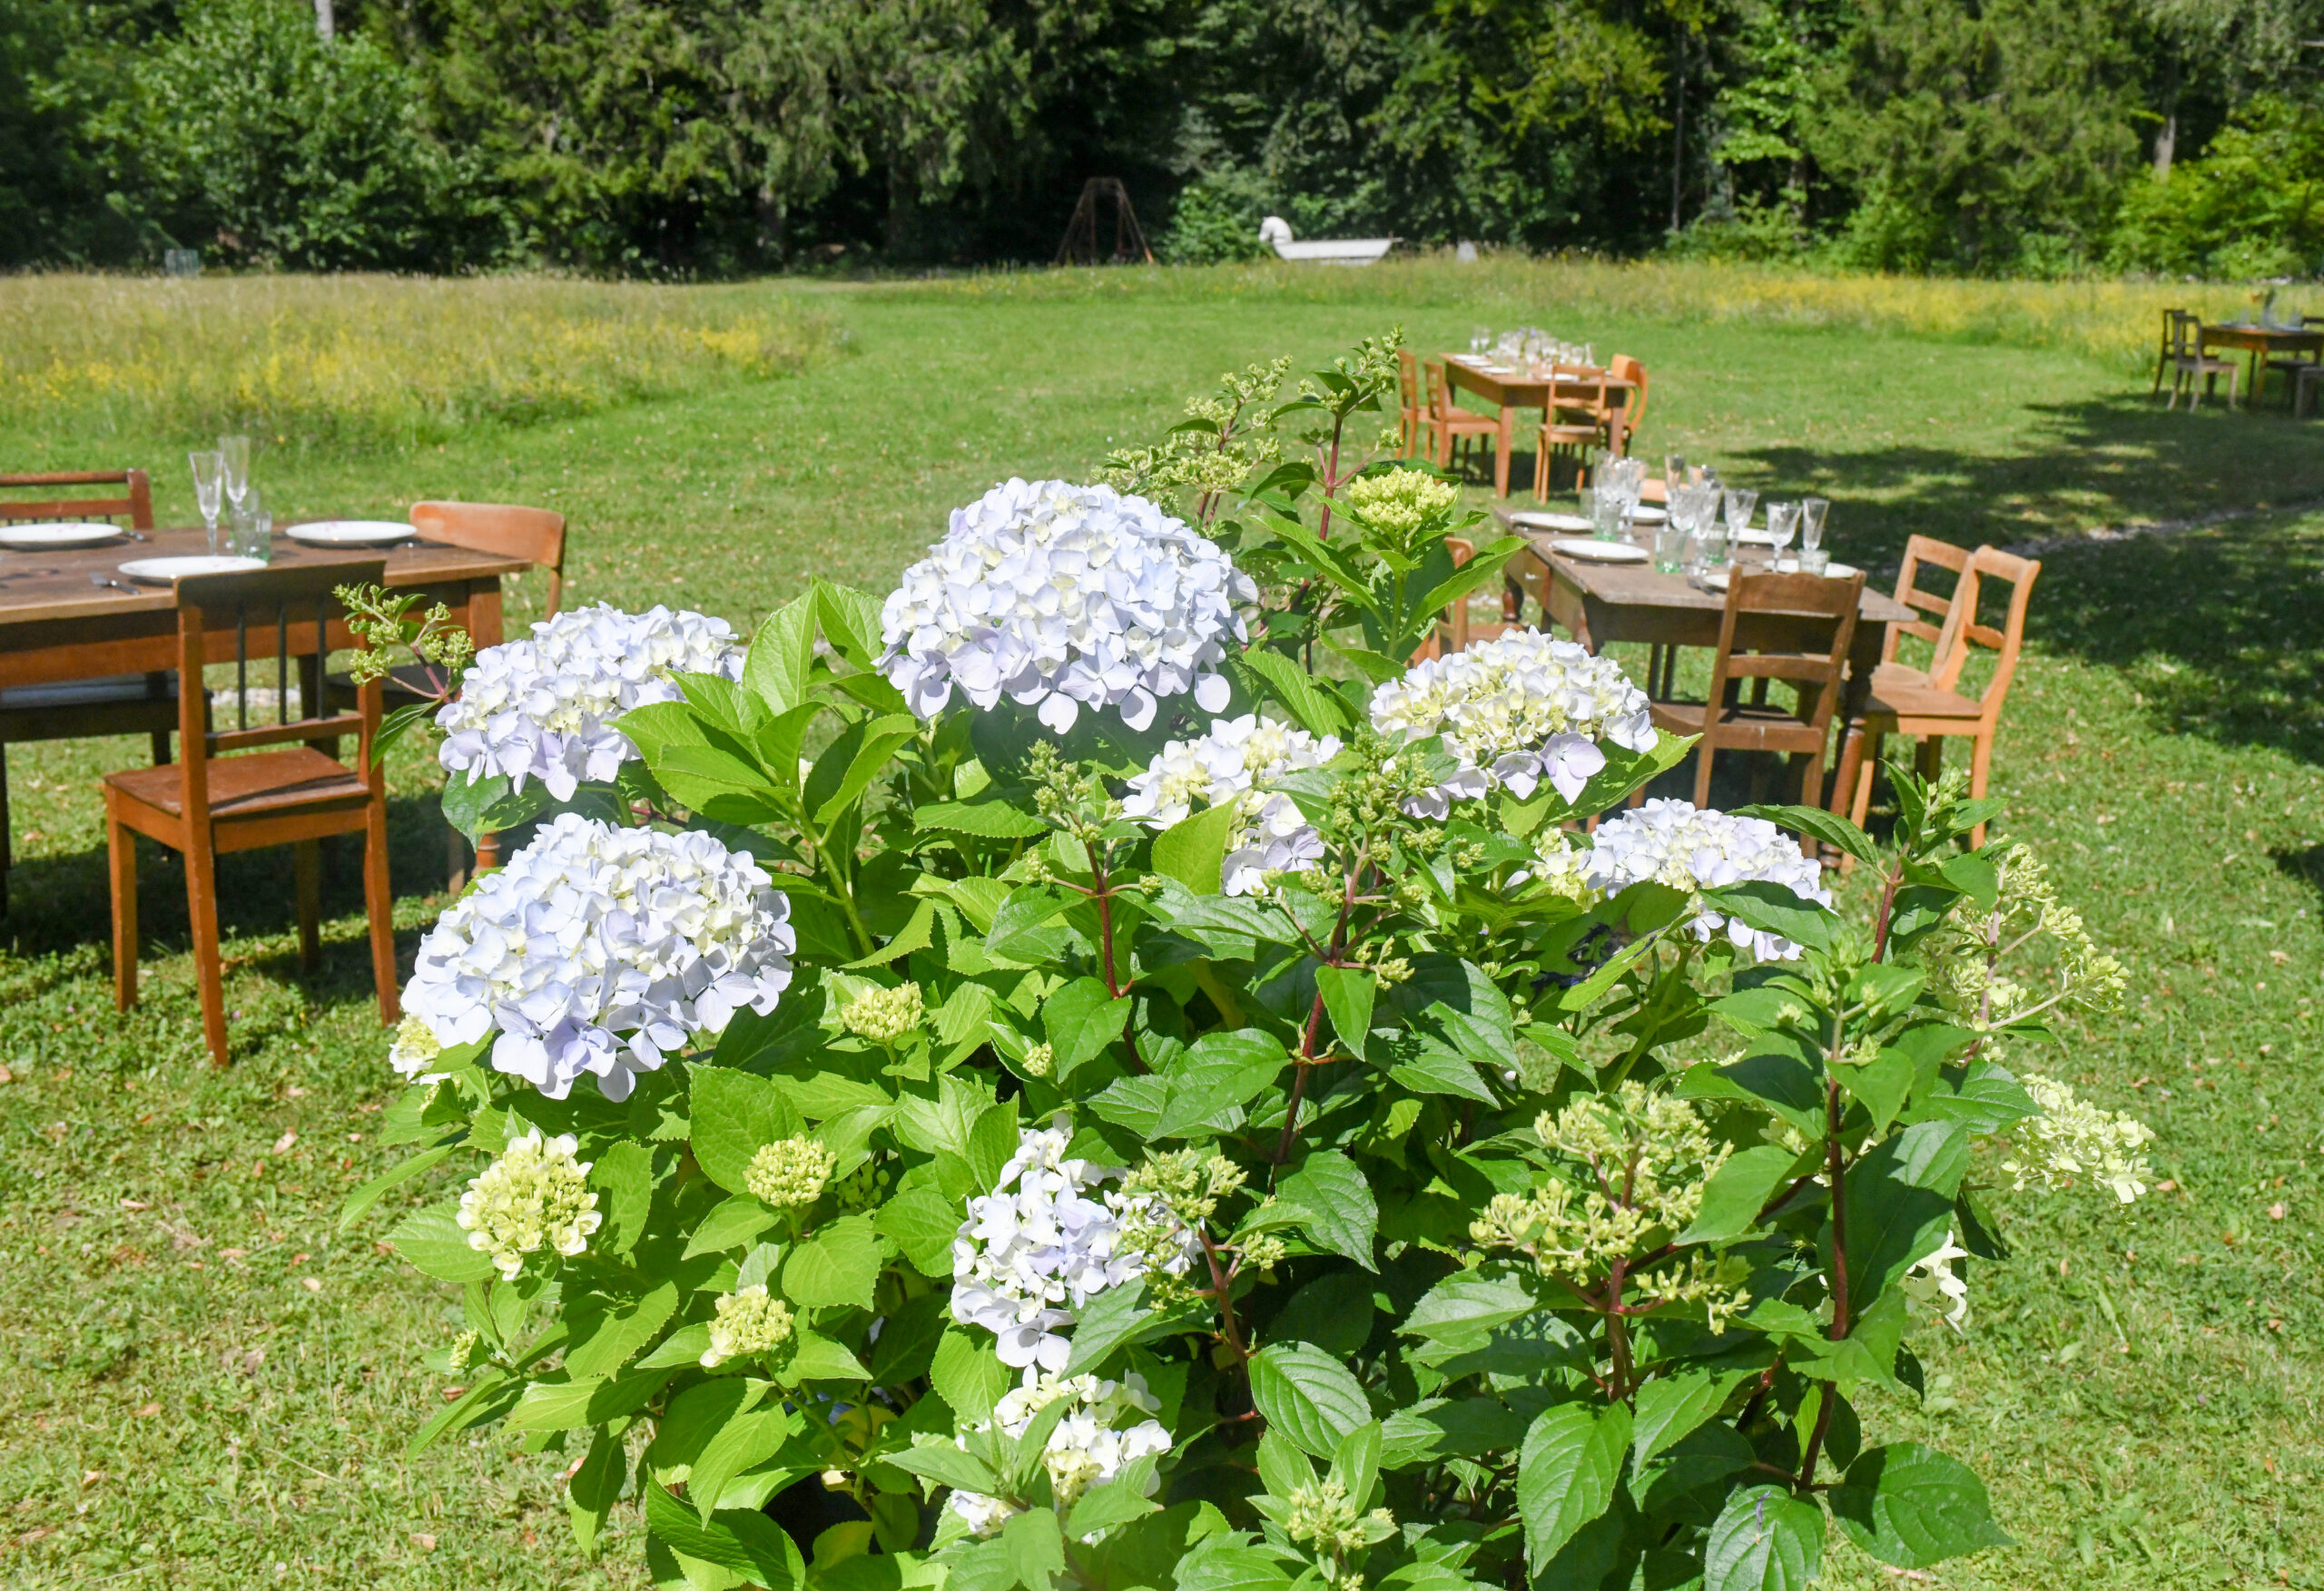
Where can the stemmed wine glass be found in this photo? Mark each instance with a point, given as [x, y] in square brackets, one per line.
[234, 453]
[209, 479]
[1783, 518]
[1740, 504]
[1811, 522]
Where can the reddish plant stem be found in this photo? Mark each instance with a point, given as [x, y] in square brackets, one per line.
[1887, 906]
[1314, 1029]
[1104, 895]
[1224, 1295]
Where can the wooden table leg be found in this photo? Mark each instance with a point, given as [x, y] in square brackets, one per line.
[1501, 455]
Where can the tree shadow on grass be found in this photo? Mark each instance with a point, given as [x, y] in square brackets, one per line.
[2107, 461]
[59, 903]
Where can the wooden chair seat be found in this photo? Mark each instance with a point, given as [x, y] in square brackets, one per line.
[251, 785]
[1741, 726]
[1903, 692]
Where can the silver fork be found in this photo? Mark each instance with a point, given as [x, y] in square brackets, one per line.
[100, 581]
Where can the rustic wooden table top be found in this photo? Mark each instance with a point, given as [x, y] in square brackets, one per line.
[1638, 585]
[37, 587]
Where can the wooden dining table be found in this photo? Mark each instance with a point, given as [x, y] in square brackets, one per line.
[56, 625]
[1599, 603]
[2261, 342]
[1513, 388]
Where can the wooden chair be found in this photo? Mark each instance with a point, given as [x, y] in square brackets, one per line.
[1792, 627]
[1930, 705]
[2298, 369]
[1632, 413]
[71, 710]
[1452, 426]
[1581, 417]
[207, 804]
[2189, 363]
[1412, 420]
[2304, 384]
[2162, 350]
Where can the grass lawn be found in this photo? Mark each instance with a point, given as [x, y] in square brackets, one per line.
[207, 1384]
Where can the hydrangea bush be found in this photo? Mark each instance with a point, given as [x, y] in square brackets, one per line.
[1250, 1134]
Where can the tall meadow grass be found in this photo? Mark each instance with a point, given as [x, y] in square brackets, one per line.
[369, 362]
[2118, 322]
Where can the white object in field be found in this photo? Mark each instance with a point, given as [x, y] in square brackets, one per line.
[1467, 253]
[1276, 233]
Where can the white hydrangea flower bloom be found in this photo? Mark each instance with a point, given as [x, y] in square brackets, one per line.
[534, 1196]
[1930, 1279]
[542, 708]
[1064, 596]
[599, 949]
[1096, 1439]
[1515, 710]
[1230, 763]
[1039, 1246]
[1674, 843]
[2073, 1138]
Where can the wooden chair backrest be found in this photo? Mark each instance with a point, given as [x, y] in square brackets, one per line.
[1407, 379]
[1581, 392]
[2170, 319]
[534, 534]
[286, 612]
[1759, 631]
[1626, 369]
[1440, 392]
[2185, 335]
[1920, 550]
[135, 503]
[1964, 629]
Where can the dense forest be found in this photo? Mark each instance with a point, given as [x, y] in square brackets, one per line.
[691, 138]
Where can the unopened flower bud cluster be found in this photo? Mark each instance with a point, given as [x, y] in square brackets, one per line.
[1399, 504]
[1061, 597]
[883, 1015]
[1646, 1158]
[599, 950]
[788, 1172]
[1334, 1524]
[750, 1321]
[544, 708]
[534, 1196]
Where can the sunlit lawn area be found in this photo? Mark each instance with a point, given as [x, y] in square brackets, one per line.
[207, 1384]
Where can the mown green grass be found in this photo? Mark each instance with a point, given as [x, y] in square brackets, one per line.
[2141, 1389]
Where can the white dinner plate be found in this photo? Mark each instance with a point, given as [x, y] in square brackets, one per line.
[351, 532]
[162, 571]
[1647, 513]
[1536, 520]
[1597, 551]
[56, 538]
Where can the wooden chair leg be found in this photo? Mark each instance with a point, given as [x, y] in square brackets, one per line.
[487, 852]
[378, 906]
[1702, 772]
[1981, 756]
[1811, 794]
[209, 967]
[307, 863]
[121, 858]
[1929, 761]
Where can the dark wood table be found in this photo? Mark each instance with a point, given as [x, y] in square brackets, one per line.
[1512, 390]
[1599, 603]
[2261, 342]
[55, 625]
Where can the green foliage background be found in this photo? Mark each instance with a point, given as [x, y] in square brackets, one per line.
[1993, 137]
